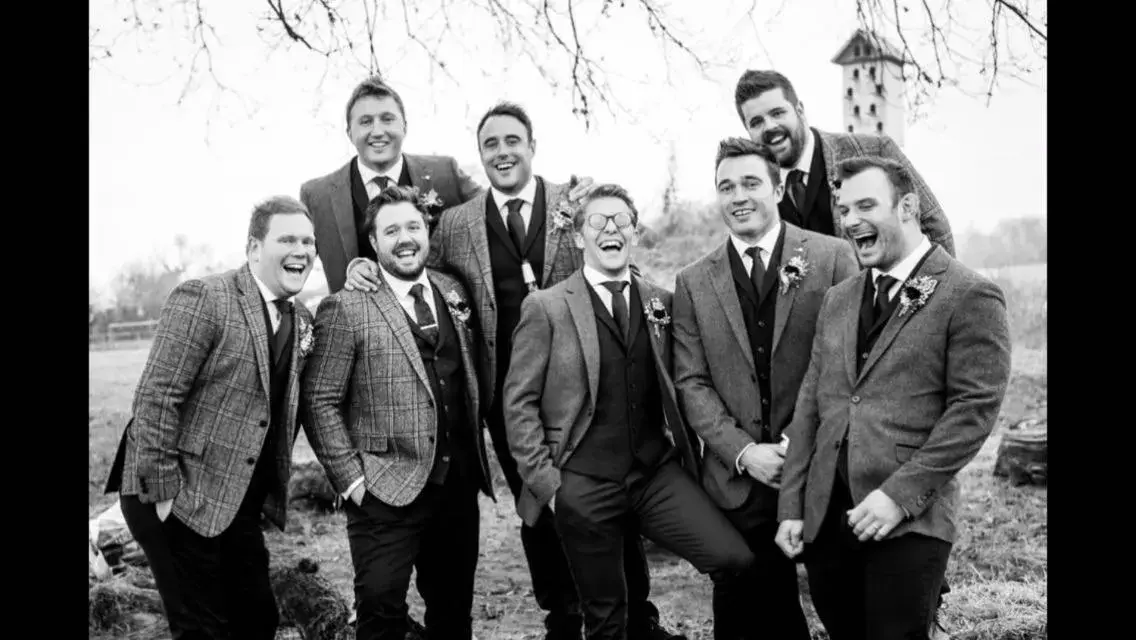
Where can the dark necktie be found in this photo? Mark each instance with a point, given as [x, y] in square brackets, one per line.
[883, 306]
[757, 273]
[618, 305]
[283, 334]
[424, 317]
[382, 181]
[516, 224]
[795, 185]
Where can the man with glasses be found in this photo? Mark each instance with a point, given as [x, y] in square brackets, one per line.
[593, 423]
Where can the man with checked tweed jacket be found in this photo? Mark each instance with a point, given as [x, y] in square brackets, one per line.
[209, 444]
[502, 244]
[391, 407]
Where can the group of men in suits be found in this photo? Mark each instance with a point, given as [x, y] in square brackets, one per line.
[760, 416]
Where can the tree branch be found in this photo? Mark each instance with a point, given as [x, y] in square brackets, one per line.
[1021, 15]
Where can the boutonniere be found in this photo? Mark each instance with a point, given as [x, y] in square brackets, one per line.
[562, 215]
[914, 293]
[656, 314]
[430, 200]
[794, 272]
[307, 340]
[458, 307]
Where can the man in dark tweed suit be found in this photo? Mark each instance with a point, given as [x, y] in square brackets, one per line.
[376, 126]
[502, 244]
[743, 326]
[908, 371]
[391, 406]
[774, 117]
[209, 444]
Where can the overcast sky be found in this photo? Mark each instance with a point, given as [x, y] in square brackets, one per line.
[157, 169]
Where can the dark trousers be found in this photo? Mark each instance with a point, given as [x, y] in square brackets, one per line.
[594, 516]
[437, 534]
[871, 590]
[763, 601]
[210, 587]
[552, 581]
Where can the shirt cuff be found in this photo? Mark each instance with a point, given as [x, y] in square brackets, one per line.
[347, 494]
[738, 460]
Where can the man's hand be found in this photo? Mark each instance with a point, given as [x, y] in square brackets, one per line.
[579, 187]
[363, 276]
[763, 463]
[875, 517]
[357, 495]
[788, 537]
[163, 509]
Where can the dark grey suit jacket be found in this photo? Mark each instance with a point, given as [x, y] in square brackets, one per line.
[919, 410]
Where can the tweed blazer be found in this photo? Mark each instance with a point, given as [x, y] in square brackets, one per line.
[328, 198]
[715, 374]
[919, 410]
[551, 388]
[367, 403]
[202, 404]
[836, 147]
[460, 246]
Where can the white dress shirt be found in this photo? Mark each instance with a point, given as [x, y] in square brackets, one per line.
[527, 196]
[804, 163]
[765, 246]
[368, 175]
[269, 298]
[401, 289]
[596, 279]
[902, 271]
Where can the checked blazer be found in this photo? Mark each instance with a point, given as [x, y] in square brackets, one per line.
[201, 409]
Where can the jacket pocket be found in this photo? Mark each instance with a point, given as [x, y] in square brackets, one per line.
[372, 443]
[193, 443]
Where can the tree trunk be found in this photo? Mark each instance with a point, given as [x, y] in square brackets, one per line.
[311, 603]
[1023, 453]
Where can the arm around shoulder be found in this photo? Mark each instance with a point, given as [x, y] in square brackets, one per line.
[932, 218]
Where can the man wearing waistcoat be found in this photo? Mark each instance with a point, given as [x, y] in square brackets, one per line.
[391, 405]
[592, 421]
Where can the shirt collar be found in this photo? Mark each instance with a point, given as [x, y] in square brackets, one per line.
[265, 293]
[902, 271]
[767, 243]
[400, 287]
[368, 174]
[596, 279]
[527, 194]
[805, 162]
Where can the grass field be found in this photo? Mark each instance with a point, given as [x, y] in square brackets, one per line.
[997, 571]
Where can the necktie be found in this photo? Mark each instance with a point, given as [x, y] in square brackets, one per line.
[795, 185]
[618, 304]
[382, 181]
[423, 315]
[516, 224]
[882, 307]
[757, 273]
[283, 334]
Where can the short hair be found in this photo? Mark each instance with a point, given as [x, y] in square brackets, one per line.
[373, 87]
[899, 177]
[393, 194]
[754, 83]
[736, 147]
[604, 191]
[276, 205]
[506, 109]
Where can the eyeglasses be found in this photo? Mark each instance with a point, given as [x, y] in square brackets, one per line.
[598, 221]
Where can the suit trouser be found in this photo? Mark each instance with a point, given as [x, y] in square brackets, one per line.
[210, 587]
[552, 581]
[770, 583]
[594, 515]
[884, 590]
[438, 534]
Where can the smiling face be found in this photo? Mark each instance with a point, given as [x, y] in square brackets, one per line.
[747, 198]
[506, 153]
[401, 240]
[607, 249]
[882, 229]
[377, 126]
[774, 122]
[284, 258]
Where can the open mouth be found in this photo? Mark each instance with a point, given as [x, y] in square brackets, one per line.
[403, 253]
[295, 269]
[776, 139]
[865, 240]
[379, 145]
[611, 247]
[504, 166]
[742, 214]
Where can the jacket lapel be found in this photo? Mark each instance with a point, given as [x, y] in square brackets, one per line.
[342, 193]
[396, 319]
[536, 217]
[828, 153]
[552, 234]
[722, 277]
[851, 314]
[479, 241]
[252, 305]
[584, 317]
[934, 264]
[794, 240]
